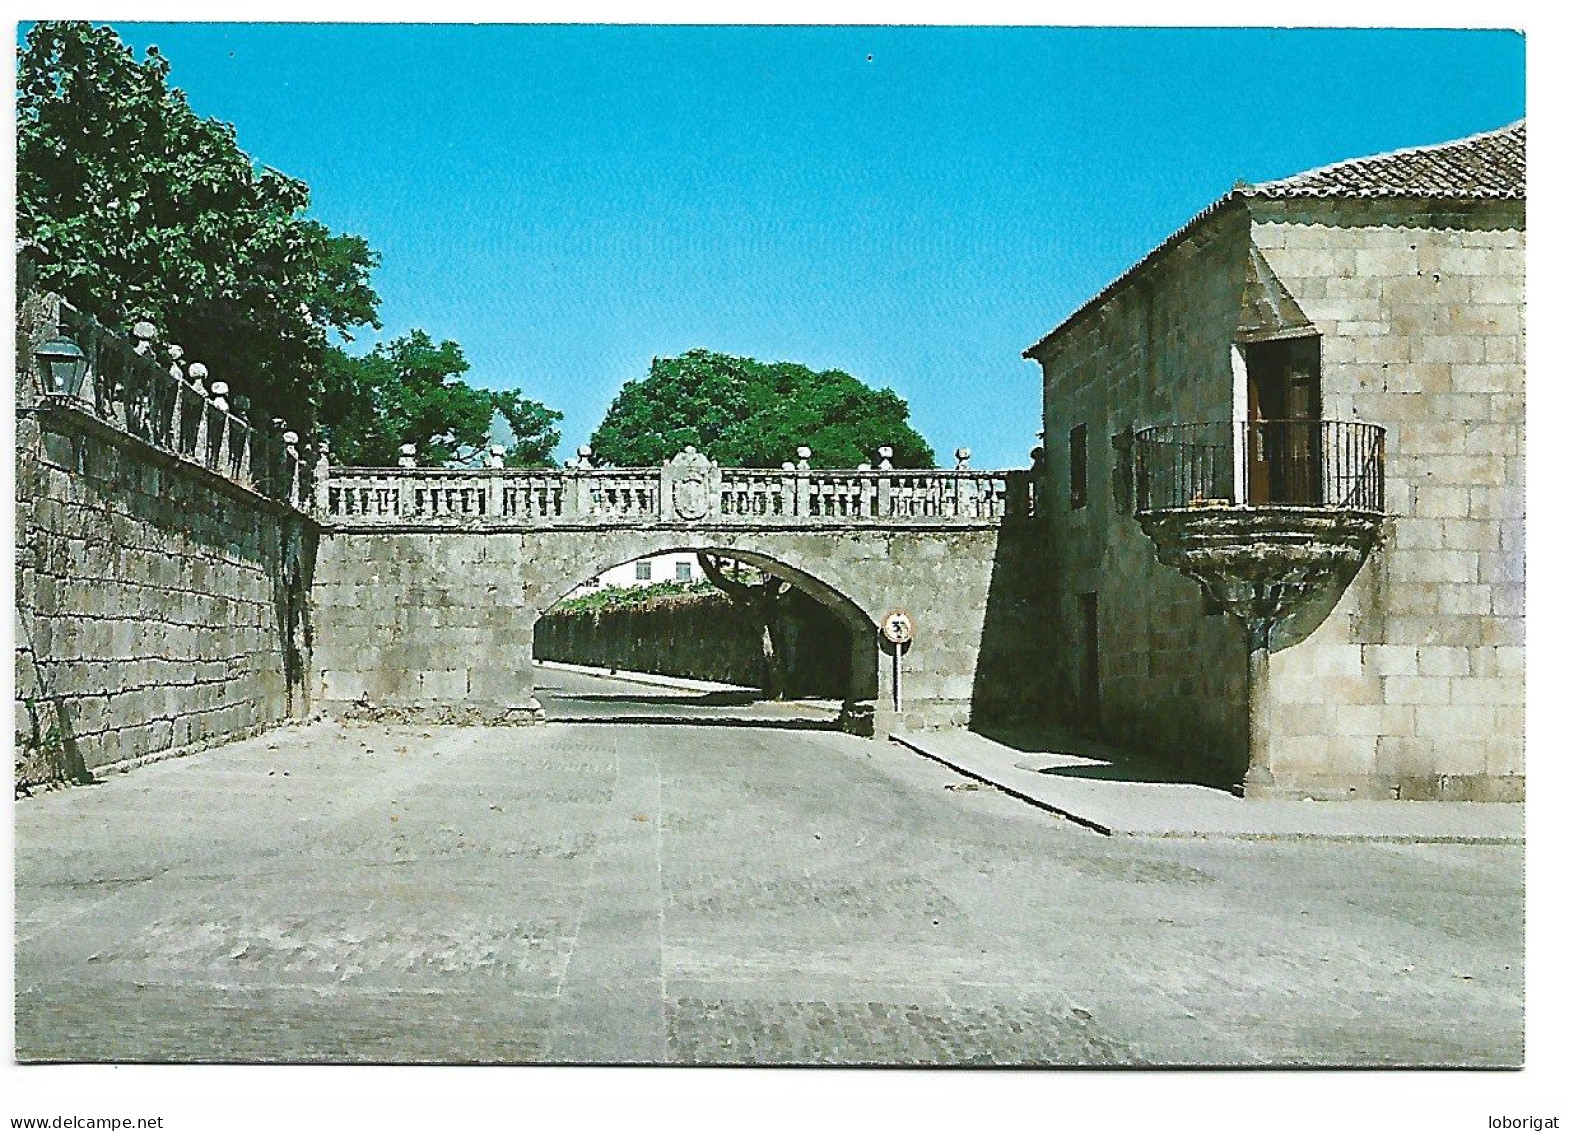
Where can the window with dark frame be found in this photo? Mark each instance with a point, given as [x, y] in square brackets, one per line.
[645, 571]
[683, 571]
[1078, 466]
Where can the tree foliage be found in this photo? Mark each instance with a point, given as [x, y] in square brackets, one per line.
[633, 597]
[140, 209]
[136, 208]
[533, 427]
[746, 413]
[409, 391]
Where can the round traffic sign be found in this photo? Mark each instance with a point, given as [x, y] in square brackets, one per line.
[898, 627]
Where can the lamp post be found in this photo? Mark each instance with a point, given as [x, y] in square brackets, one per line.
[62, 367]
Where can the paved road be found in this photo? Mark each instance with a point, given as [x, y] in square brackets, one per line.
[705, 893]
[573, 696]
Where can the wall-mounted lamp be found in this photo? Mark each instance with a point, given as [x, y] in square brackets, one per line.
[62, 367]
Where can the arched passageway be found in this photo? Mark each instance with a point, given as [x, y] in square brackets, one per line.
[796, 638]
[439, 623]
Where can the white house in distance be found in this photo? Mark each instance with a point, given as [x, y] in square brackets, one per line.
[679, 566]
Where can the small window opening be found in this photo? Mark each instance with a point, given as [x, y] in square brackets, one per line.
[1078, 466]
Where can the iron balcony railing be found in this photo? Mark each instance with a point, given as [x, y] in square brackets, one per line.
[1327, 464]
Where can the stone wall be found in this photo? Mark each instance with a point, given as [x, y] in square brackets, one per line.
[1413, 684]
[158, 606]
[441, 623]
[1172, 673]
[704, 636]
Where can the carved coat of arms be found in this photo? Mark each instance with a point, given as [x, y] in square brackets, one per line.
[691, 494]
[689, 474]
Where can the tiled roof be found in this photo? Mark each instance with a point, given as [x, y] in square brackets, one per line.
[1486, 166]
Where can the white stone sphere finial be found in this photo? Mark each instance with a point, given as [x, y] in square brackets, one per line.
[145, 331]
[176, 352]
[291, 438]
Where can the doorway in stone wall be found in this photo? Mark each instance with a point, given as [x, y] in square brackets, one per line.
[1089, 656]
[1284, 431]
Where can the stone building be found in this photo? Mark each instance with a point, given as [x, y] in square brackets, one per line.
[1311, 398]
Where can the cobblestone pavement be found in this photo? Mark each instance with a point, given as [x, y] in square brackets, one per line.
[616, 891]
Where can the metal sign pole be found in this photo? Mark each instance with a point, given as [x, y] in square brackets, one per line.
[898, 628]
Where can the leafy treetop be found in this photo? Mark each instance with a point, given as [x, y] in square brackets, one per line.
[408, 392]
[136, 208]
[746, 413]
[140, 209]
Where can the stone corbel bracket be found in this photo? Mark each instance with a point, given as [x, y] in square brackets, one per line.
[1262, 563]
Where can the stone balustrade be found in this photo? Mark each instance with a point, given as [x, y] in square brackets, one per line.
[688, 489]
[138, 388]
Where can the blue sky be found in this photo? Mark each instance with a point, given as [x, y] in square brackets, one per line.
[915, 206]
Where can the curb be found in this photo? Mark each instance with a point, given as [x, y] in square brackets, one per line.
[975, 775]
[1180, 828]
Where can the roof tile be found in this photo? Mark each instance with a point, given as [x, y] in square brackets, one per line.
[1485, 166]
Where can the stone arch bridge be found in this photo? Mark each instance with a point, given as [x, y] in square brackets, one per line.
[428, 581]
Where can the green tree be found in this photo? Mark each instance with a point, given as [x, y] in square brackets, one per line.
[533, 427]
[746, 413]
[409, 391]
[137, 208]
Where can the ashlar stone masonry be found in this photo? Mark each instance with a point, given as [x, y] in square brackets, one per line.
[1406, 274]
[159, 605]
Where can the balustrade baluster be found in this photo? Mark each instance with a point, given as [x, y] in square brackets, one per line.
[619, 498]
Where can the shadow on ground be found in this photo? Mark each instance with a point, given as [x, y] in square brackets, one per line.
[1063, 752]
[711, 699]
[783, 723]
